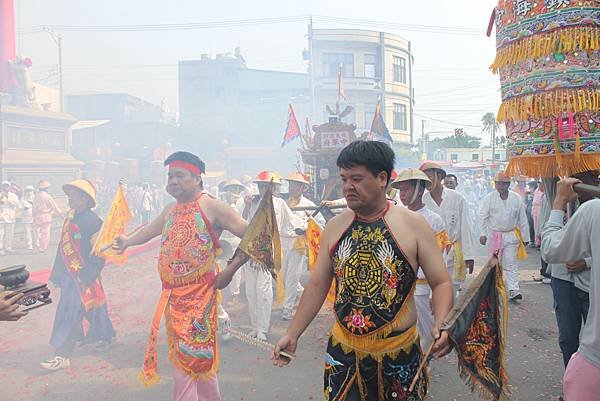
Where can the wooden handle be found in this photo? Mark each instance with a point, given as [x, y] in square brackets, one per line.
[588, 189]
[421, 366]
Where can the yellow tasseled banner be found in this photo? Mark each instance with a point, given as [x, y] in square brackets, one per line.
[585, 38]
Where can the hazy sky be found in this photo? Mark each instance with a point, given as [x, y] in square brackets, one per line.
[451, 77]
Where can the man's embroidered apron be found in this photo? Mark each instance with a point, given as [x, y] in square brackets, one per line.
[374, 290]
[188, 300]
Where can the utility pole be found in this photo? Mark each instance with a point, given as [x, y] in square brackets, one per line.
[60, 73]
[311, 79]
[494, 146]
[58, 40]
[422, 139]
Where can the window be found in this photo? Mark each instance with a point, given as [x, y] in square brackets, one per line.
[369, 114]
[370, 65]
[454, 157]
[399, 69]
[475, 156]
[496, 156]
[400, 116]
[332, 61]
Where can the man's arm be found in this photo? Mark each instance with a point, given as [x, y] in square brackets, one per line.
[152, 230]
[563, 244]
[52, 204]
[431, 261]
[484, 216]
[311, 302]
[228, 219]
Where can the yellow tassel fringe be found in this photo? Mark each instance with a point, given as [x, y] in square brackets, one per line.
[546, 44]
[547, 165]
[549, 104]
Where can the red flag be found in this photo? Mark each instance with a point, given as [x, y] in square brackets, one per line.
[341, 91]
[293, 128]
[308, 138]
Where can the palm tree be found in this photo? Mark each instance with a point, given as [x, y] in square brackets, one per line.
[491, 127]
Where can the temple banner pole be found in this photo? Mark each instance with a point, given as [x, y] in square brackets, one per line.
[8, 51]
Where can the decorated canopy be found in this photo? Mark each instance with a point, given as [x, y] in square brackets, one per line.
[548, 59]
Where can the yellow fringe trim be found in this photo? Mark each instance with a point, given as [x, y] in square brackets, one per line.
[547, 166]
[549, 104]
[364, 342]
[376, 349]
[585, 38]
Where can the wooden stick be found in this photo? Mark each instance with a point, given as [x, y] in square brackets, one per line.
[421, 366]
[585, 188]
[108, 246]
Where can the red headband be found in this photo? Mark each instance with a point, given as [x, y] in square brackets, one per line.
[185, 165]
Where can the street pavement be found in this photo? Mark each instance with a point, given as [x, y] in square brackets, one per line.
[246, 373]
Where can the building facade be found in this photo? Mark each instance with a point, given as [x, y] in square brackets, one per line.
[457, 155]
[374, 65]
[237, 115]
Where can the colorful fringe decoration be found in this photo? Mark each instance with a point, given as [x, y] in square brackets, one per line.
[549, 104]
[547, 44]
[547, 59]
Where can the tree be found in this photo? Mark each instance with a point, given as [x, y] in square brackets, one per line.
[458, 140]
[490, 127]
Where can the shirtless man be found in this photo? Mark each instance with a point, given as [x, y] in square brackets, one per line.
[373, 251]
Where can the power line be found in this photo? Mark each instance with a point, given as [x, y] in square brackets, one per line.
[256, 22]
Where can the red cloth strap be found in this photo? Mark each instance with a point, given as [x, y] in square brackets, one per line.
[185, 165]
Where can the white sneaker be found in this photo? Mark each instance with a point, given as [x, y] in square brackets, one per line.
[56, 363]
[224, 327]
[252, 333]
[546, 281]
[261, 336]
[514, 295]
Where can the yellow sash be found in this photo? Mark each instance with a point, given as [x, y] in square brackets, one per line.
[521, 251]
[460, 269]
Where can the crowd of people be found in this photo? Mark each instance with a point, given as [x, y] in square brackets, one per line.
[377, 231]
[33, 210]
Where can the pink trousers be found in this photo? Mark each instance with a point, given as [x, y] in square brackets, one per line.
[581, 379]
[44, 235]
[187, 389]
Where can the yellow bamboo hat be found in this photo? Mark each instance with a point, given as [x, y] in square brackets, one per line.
[432, 166]
[409, 174]
[83, 185]
[298, 177]
[268, 176]
[44, 184]
[233, 183]
[502, 177]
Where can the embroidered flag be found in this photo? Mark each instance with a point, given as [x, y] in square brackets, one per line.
[292, 130]
[313, 239]
[379, 130]
[114, 224]
[477, 328]
[262, 243]
[341, 91]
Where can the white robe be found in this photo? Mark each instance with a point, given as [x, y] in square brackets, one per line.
[504, 216]
[455, 212]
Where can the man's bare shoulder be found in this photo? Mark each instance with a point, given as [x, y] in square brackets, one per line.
[338, 224]
[402, 215]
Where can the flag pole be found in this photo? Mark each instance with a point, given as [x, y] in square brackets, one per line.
[421, 366]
